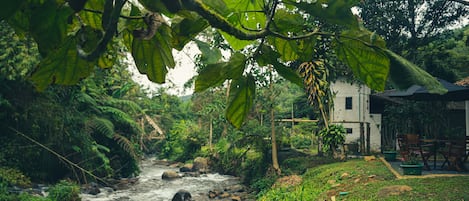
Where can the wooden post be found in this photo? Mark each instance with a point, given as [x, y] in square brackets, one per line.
[368, 134]
[362, 139]
[292, 125]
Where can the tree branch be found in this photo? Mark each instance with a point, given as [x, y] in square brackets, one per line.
[461, 2]
[121, 16]
[110, 26]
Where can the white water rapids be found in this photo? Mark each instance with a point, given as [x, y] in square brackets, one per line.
[150, 186]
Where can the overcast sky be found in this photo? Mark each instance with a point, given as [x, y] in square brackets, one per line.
[184, 70]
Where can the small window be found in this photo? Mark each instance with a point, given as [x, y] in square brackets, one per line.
[349, 131]
[348, 103]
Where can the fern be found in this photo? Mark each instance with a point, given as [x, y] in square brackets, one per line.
[84, 98]
[122, 117]
[96, 149]
[124, 104]
[126, 145]
[103, 126]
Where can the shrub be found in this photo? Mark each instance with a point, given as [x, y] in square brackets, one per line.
[10, 176]
[332, 136]
[64, 191]
[264, 184]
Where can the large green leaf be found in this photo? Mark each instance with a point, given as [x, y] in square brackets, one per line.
[234, 42]
[156, 6]
[244, 90]
[62, 66]
[48, 26]
[269, 56]
[241, 14]
[332, 11]
[370, 64]
[287, 48]
[186, 29]
[246, 13]
[215, 74]
[209, 55]
[90, 18]
[291, 50]
[288, 22]
[404, 74]
[153, 56]
[370, 38]
[9, 7]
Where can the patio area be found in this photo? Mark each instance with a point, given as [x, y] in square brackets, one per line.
[395, 168]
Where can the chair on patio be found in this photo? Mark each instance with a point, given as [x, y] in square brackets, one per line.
[455, 155]
[467, 149]
[410, 145]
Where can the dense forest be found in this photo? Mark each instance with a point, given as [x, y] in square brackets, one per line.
[69, 109]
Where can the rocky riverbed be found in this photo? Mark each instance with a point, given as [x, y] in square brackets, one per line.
[150, 185]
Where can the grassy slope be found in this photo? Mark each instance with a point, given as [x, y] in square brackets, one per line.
[364, 181]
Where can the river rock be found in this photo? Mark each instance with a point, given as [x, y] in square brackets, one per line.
[91, 188]
[224, 195]
[191, 174]
[200, 164]
[235, 188]
[162, 162]
[169, 175]
[182, 195]
[186, 168]
[214, 193]
[235, 198]
[175, 165]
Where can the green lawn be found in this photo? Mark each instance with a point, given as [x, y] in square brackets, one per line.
[364, 180]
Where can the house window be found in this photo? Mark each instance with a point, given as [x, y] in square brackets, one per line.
[348, 103]
[349, 131]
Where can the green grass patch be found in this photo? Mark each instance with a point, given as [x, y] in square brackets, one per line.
[364, 180]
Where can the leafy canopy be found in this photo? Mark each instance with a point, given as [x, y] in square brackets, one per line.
[74, 36]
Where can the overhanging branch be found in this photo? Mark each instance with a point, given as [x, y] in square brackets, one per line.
[461, 2]
[110, 26]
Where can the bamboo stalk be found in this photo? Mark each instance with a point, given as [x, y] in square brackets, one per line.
[59, 156]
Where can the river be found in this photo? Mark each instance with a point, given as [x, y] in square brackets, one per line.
[150, 186]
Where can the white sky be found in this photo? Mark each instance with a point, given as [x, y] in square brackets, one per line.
[176, 77]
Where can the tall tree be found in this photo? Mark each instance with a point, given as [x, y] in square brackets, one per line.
[409, 24]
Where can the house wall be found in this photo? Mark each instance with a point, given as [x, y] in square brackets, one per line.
[359, 112]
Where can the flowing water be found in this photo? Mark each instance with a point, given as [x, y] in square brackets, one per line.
[150, 186]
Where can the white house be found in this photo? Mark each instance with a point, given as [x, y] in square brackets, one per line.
[352, 110]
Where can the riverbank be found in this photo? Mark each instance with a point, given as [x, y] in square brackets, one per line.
[357, 179]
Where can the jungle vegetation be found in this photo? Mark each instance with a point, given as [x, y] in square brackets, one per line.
[67, 97]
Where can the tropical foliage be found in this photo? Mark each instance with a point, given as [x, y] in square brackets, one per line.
[276, 32]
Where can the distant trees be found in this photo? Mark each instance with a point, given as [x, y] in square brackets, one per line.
[407, 25]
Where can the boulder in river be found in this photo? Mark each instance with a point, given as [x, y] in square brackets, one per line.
[91, 188]
[182, 195]
[186, 168]
[169, 175]
[200, 164]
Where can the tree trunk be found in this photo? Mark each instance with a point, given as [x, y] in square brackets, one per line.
[210, 137]
[275, 164]
[225, 125]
